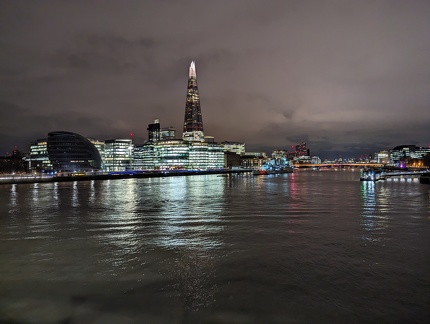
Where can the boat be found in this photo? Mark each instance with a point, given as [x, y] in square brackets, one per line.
[273, 171]
[274, 166]
[371, 175]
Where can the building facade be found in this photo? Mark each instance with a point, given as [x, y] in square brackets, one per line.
[38, 159]
[118, 155]
[235, 147]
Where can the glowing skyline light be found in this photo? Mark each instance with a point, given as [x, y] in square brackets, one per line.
[192, 73]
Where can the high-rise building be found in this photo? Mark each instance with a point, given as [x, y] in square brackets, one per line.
[302, 150]
[154, 131]
[193, 122]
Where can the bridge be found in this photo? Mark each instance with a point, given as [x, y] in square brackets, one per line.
[338, 165]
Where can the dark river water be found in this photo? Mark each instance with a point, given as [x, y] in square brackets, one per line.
[313, 246]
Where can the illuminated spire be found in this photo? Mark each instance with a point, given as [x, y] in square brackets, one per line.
[192, 73]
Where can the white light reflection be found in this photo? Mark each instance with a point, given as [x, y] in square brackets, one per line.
[55, 191]
[35, 192]
[75, 195]
[191, 222]
[13, 195]
[92, 193]
[13, 200]
[373, 220]
[116, 222]
[190, 212]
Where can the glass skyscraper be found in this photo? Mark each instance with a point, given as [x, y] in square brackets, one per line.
[193, 122]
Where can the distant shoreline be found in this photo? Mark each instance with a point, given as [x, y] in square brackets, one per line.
[20, 179]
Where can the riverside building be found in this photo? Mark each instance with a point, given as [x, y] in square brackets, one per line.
[118, 154]
[72, 152]
[38, 159]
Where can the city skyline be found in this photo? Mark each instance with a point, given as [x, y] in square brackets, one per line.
[345, 77]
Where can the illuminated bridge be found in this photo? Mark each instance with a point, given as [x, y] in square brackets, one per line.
[338, 165]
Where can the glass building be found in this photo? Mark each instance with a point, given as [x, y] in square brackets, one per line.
[403, 152]
[144, 157]
[172, 154]
[72, 152]
[118, 154]
[38, 159]
[154, 131]
[193, 121]
[178, 154]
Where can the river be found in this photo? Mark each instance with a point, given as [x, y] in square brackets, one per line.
[313, 246]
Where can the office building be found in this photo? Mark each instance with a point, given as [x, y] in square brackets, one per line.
[235, 147]
[38, 159]
[118, 154]
[402, 153]
[167, 133]
[154, 131]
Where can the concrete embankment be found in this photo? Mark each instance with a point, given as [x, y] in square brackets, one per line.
[17, 179]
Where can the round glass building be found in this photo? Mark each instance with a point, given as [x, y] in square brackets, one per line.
[72, 152]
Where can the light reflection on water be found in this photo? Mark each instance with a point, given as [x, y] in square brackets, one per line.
[307, 246]
[373, 219]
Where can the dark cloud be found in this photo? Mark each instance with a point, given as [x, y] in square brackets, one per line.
[345, 76]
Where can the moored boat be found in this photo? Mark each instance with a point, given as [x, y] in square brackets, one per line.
[371, 175]
[273, 171]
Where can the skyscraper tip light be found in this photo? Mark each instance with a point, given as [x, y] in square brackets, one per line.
[192, 73]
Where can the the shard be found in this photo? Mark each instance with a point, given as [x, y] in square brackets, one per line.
[193, 122]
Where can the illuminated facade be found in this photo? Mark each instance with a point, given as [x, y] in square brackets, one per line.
[118, 154]
[38, 158]
[178, 154]
[167, 133]
[193, 121]
[302, 150]
[253, 160]
[235, 147]
[100, 146]
[72, 152]
[171, 154]
[144, 157]
[403, 153]
[154, 131]
[382, 157]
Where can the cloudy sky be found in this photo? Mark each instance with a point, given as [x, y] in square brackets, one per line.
[347, 77]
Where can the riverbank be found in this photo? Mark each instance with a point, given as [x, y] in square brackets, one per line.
[37, 178]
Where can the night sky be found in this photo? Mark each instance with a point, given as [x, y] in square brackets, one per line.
[347, 77]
